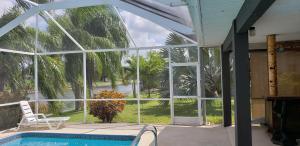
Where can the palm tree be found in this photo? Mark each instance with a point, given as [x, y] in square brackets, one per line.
[212, 71]
[130, 73]
[15, 69]
[185, 77]
[93, 27]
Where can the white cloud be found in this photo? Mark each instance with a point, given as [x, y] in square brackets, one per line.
[31, 22]
[5, 5]
[144, 32]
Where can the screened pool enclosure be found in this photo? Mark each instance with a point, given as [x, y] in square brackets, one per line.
[59, 56]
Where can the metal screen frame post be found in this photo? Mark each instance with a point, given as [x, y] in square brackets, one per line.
[201, 86]
[171, 102]
[198, 76]
[84, 88]
[138, 85]
[36, 82]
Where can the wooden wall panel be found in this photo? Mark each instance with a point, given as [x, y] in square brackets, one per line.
[259, 74]
[288, 74]
[259, 82]
[288, 63]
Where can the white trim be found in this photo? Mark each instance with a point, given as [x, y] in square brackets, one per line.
[171, 102]
[118, 49]
[63, 30]
[124, 24]
[191, 64]
[138, 86]
[68, 4]
[36, 79]
[162, 21]
[185, 37]
[36, 84]
[199, 88]
[9, 104]
[182, 97]
[142, 48]
[165, 22]
[61, 53]
[104, 99]
[213, 98]
[17, 21]
[84, 89]
[16, 52]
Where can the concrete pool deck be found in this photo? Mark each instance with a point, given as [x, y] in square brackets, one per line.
[168, 135]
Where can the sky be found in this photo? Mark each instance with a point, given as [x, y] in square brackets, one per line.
[144, 32]
[4, 4]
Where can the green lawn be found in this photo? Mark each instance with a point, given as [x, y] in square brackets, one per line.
[156, 112]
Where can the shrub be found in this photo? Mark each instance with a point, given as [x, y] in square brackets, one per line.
[56, 108]
[43, 107]
[107, 110]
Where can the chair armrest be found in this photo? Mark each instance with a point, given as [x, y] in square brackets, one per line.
[42, 115]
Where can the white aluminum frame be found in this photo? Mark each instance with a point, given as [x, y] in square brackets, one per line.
[198, 96]
[68, 4]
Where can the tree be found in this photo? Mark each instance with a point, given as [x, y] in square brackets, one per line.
[130, 73]
[212, 70]
[212, 67]
[93, 28]
[17, 70]
[81, 23]
[150, 69]
[186, 77]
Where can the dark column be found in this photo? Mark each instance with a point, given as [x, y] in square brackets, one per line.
[240, 48]
[226, 88]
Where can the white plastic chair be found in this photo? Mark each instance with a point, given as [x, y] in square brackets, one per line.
[30, 119]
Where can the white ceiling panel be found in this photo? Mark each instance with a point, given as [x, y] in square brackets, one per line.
[282, 18]
[213, 18]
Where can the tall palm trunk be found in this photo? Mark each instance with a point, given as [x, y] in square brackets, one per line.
[134, 88]
[77, 93]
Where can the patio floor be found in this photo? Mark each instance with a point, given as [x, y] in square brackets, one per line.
[170, 135]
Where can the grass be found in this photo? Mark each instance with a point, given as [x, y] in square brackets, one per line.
[156, 112]
[108, 83]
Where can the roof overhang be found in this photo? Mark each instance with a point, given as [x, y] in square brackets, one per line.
[282, 19]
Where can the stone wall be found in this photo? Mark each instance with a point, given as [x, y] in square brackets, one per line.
[10, 115]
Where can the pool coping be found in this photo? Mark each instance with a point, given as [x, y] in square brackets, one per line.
[66, 135]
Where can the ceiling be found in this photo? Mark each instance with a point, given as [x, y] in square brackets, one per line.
[212, 19]
[282, 18]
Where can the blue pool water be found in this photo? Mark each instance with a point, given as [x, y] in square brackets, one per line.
[50, 139]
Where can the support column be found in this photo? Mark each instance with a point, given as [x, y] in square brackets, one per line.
[240, 48]
[272, 71]
[272, 66]
[138, 86]
[84, 89]
[36, 86]
[200, 88]
[36, 76]
[226, 88]
[171, 101]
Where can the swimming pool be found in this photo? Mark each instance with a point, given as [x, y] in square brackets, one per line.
[59, 139]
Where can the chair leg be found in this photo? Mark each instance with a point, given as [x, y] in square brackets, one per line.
[49, 125]
[59, 124]
[21, 122]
